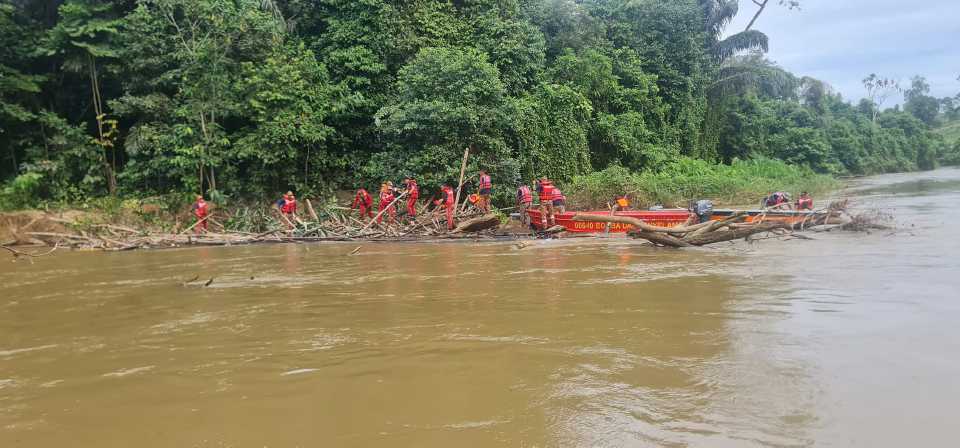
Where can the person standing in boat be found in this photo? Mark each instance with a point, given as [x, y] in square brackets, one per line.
[545, 190]
[776, 200]
[703, 209]
[622, 203]
[524, 201]
[486, 185]
[559, 201]
[804, 202]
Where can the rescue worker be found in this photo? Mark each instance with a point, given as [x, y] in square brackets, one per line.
[703, 209]
[545, 191]
[777, 199]
[804, 202]
[622, 203]
[448, 200]
[413, 193]
[485, 186]
[288, 208]
[524, 201]
[200, 211]
[559, 201]
[364, 202]
[386, 202]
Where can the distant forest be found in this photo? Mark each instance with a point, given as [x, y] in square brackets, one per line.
[246, 98]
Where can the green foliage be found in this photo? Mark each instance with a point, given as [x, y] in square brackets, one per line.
[240, 99]
[20, 191]
[741, 183]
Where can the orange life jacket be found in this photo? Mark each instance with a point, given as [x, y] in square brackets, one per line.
[289, 206]
[546, 195]
[485, 182]
[524, 195]
[200, 209]
[413, 189]
[386, 197]
[448, 197]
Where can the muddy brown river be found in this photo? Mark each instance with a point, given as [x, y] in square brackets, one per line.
[848, 340]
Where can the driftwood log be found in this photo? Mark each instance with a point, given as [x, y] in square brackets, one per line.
[480, 223]
[727, 229]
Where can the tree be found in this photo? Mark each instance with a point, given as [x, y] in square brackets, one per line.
[718, 14]
[919, 103]
[762, 5]
[83, 37]
[879, 90]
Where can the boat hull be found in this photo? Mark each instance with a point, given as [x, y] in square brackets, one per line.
[660, 218]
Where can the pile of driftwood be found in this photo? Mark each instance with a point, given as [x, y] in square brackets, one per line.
[333, 224]
[731, 228]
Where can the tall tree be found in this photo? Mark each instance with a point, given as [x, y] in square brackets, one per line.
[879, 89]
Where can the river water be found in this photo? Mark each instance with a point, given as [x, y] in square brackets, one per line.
[848, 340]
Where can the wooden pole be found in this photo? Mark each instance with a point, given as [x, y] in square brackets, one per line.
[463, 170]
[381, 212]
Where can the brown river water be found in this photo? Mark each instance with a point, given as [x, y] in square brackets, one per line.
[848, 340]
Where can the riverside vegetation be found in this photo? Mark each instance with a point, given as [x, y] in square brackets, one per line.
[241, 99]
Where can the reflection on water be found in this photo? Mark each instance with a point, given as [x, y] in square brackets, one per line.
[833, 342]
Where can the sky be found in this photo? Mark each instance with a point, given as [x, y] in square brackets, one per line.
[843, 41]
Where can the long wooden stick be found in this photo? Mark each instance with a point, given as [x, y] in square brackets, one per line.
[463, 170]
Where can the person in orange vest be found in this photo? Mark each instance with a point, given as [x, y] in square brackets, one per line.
[804, 202]
[387, 197]
[288, 208]
[559, 201]
[524, 201]
[485, 186]
[200, 211]
[545, 190]
[413, 193]
[622, 203]
[363, 201]
[448, 200]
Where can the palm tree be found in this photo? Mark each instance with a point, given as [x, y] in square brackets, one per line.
[717, 15]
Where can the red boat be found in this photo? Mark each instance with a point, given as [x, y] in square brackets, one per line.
[661, 218]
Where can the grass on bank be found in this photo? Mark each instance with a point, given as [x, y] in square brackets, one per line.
[742, 182]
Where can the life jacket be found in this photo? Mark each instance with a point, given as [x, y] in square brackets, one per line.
[524, 195]
[386, 197]
[776, 199]
[485, 182]
[623, 202]
[448, 197]
[805, 204]
[413, 189]
[546, 191]
[289, 206]
[200, 209]
[363, 198]
[558, 195]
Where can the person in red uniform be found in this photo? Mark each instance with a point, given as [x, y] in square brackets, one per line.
[364, 202]
[486, 184]
[448, 201]
[200, 211]
[559, 201]
[288, 208]
[413, 193]
[524, 201]
[804, 202]
[545, 191]
[387, 197]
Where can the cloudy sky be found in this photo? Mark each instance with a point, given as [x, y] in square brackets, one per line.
[842, 41]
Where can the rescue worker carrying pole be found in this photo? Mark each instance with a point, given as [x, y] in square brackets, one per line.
[524, 202]
[448, 201]
[386, 202]
[364, 202]
[485, 186]
[413, 193]
[201, 212]
[545, 190]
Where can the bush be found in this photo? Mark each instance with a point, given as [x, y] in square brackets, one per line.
[21, 191]
[743, 182]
